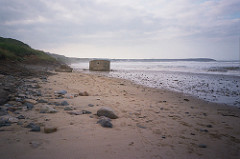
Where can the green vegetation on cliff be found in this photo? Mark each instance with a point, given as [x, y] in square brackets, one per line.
[11, 49]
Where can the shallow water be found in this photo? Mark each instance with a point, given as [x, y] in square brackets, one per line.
[212, 81]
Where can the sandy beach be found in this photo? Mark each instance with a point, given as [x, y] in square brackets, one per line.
[151, 123]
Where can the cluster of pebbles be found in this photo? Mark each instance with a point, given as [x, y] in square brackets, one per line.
[20, 96]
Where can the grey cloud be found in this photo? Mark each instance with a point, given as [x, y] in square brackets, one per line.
[56, 22]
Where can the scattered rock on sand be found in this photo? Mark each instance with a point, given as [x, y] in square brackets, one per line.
[42, 101]
[14, 108]
[4, 122]
[64, 103]
[3, 96]
[3, 111]
[90, 105]
[35, 144]
[69, 96]
[209, 126]
[86, 112]
[84, 93]
[131, 143]
[9, 118]
[105, 122]
[107, 112]
[140, 126]
[31, 101]
[47, 109]
[79, 112]
[203, 130]
[68, 108]
[75, 113]
[61, 92]
[29, 106]
[202, 146]
[49, 129]
[33, 127]
[21, 117]
[187, 100]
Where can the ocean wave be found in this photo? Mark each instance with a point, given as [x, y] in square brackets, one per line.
[223, 69]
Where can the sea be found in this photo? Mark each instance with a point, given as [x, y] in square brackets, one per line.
[210, 80]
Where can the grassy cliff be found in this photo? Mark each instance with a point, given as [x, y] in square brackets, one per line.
[14, 50]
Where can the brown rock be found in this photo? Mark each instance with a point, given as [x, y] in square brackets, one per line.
[48, 129]
[84, 93]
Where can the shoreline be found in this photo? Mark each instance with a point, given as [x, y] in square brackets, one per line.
[192, 94]
[152, 123]
[165, 90]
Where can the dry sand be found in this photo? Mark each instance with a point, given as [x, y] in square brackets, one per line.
[152, 124]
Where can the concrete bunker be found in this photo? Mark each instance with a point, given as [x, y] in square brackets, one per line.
[99, 65]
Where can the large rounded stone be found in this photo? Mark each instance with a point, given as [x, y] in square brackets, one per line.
[107, 112]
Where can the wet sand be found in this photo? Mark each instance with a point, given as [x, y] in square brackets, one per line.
[152, 123]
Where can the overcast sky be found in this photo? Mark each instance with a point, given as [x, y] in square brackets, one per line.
[126, 28]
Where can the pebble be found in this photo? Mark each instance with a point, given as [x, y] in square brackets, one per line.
[29, 106]
[69, 96]
[204, 130]
[68, 108]
[54, 103]
[48, 129]
[64, 103]
[61, 92]
[4, 122]
[42, 101]
[86, 112]
[47, 109]
[74, 113]
[90, 105]
[3, 111]
[13, 108]
[84, 93]
[79, 112]
[131, 143]
[9, 118]
[21, 95]
[107, 112]
[140, 126]
[19, 99]
[19, 123]
[202, 146]
[209, 126]
[38, 93]
[187, 100]
[35, 144]
[31, 101]
[33, 127]
[21, 117]
[105, 122]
